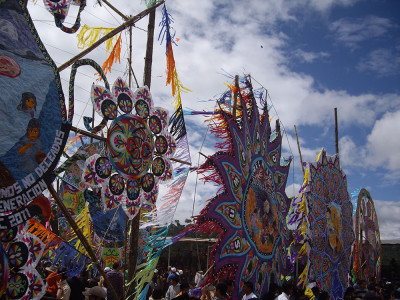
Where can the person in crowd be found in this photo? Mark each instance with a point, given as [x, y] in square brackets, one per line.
[273, 293]
[157, 294]
[324, 296]
[95, 293]
[229, 288]
[116, 280]
[52, 280]
[63, 288]
[372, 293]
[349, 293]
[248, 291]
[184, 293]
[77, 287]
[198, 278]
[174, 289]
[287, 291]
[221, 290]
[361, 290]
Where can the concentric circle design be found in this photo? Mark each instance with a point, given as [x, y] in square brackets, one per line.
[109, 109]
[130, 146]
[17, 285]
[116, 184]
[155, 124]
[148, 182]
[103, 167]
[124, 103]
[161, 144]
[8, 235]
[158, 166]
[17, 254]
[142, 109]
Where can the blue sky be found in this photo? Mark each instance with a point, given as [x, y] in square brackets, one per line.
[311, 55]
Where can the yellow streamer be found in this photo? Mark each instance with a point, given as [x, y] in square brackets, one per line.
[82, 220]
[87, 36]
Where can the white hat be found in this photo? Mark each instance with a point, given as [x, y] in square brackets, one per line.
[95, 291]
[155, 271]
[173, 269]
[107, 269]
[180, 272]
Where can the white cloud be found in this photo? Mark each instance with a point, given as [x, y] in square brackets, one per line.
[353, 31]
[309, 57]
[383, 62]
[388, 213]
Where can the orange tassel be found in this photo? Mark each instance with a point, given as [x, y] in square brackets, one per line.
[113, 57]
[170, 67]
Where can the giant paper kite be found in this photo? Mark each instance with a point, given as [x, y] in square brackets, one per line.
[323, 214]
[138, 148]
[34, 121]
[250, 212]
[367, 251]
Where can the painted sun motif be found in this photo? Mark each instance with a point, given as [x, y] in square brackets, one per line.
[367, 252]
[251, 210]
[322, 212]
[138, 148]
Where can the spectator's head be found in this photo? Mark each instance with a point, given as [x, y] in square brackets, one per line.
[63, 274]
[157, 294]
[248, 287]
[349, 291]
[220, 290]
[371, 287]
[287, 288]
[95, 293]
[173, 269]
[229, 286]
[315, 291]
[323, 296]
[174, 280]
[115, 266]
[184, 287]
[362, 284]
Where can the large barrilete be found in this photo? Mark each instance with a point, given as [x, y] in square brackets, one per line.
[138, 148]
[250, 211]
[322, 214]
[367, 246]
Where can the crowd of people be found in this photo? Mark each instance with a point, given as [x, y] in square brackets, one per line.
[183, 285]
[60, 286]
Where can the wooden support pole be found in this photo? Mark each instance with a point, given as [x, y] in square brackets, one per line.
[149, 49]
[133, 73]
[298, 146]
[130, 56]
[203, 155]
[180, 161]
[82, 238]
[235, 96]
[133, 253]
[336, 133]
[117, 30]
[87, 133]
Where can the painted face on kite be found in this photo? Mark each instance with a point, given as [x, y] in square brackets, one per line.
[30, 103]
[334, 228]
[33, 133]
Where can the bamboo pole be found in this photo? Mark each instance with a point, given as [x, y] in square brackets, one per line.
[133, 253]
[87, 133]
[149, 50]
[235, 95]
[81, 237]
[130, 55]
[336, 133]
[298, 146]
[117, 30]
[180, 161]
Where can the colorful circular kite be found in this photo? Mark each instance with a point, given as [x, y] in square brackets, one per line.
[251, 210]
[323, 214]
[367, 251]
[138, 151]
